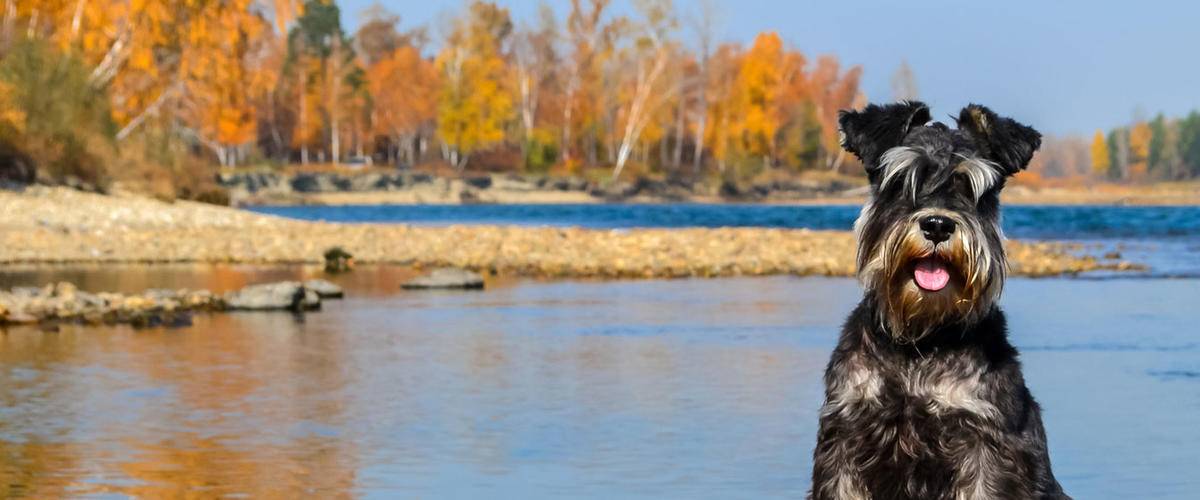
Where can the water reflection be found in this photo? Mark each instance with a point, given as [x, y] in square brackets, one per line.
[683, 389]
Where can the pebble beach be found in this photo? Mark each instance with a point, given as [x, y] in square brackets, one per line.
[57, 225]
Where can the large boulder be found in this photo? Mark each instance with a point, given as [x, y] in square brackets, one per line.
[446, 278]
[324, 289]
[284, 295]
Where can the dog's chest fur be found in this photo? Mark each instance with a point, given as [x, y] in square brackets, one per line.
[952, 421]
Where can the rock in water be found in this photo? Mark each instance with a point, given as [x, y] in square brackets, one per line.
[311, 302]
[324, 289]
[273, 296]
[338, 260]
[446, 278]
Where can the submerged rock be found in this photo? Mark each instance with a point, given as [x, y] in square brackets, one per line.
[285, 295]
[446, 278]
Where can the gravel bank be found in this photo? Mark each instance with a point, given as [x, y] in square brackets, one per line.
[56, 225]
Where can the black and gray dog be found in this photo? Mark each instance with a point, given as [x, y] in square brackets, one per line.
[924, 397]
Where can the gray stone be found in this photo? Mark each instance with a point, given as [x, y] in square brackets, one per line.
[312, 300]
[273, 296]
[314, 183]
[368, 182]
[446, 278]
[481, 182]
[324, 289]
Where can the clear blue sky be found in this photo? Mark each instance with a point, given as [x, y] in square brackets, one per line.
[1062, 66]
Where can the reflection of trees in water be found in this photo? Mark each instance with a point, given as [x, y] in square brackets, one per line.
[32, 373]
[38, 470]
[240, 404]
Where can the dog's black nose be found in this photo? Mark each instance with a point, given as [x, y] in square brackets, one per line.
[937, 228]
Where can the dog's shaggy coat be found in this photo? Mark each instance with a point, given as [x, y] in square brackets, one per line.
[924, 394]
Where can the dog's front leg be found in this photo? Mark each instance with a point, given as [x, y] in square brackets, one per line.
[835, 475]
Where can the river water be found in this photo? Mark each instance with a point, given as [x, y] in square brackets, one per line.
[1165, 238]
[571, 389]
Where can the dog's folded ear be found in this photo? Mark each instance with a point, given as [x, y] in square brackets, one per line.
[871, 132]
[1001, 140]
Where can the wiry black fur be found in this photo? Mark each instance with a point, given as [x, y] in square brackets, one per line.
[947, 414]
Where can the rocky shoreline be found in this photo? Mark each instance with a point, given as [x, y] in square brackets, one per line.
[65, 303]
[373, 186]
[58, 225]
[379, 186]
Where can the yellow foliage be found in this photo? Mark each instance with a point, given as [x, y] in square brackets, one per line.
[10, 114]
[1099, 150]
[474, 105]
[307, 130]
[218, 75]
[757, 91]
[1139, 149]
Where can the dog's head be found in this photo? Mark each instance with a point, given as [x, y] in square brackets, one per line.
[930, 245]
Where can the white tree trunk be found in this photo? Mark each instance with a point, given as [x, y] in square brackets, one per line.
[638, 116]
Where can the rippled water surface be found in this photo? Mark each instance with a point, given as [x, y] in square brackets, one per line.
[647, 389]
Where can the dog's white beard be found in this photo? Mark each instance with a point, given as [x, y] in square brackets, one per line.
[910, 313]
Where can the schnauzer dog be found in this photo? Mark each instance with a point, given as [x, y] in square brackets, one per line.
[924, 397]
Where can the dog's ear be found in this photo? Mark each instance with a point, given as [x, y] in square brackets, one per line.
[1001, 140]
[871, 132]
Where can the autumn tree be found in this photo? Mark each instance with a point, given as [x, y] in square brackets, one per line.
[1099, 150]
[220, 75]
[378, 37]
[649, 56]
[591, 39]
[757, 91]
[536, 68]
[834, 90]
[704, 26]
[325, 78]
[722, 110]
[1139, 150]
[474, 104]
[401, 112]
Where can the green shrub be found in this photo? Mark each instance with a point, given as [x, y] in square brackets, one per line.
[67, 132]
[541, 152]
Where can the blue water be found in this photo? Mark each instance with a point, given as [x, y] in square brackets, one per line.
[1167, 239]
[657, 389]
[1042, 222]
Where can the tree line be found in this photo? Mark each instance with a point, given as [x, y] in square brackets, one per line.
[236, 82]
[158, 91]
[1158, 149]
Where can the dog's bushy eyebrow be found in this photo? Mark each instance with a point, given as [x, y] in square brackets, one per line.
[911, 166]
[900, 162]
[981, 174]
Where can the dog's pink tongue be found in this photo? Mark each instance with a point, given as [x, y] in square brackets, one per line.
[931, 274]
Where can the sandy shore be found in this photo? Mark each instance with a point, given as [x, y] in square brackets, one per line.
[56, 225]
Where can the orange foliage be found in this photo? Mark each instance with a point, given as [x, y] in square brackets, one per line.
[616, 88]
[402, 108]
[758, 89]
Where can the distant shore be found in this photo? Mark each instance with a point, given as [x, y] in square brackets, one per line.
[384, 187]
[59, 225]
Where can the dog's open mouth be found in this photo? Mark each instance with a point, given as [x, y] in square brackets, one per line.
[931, 274]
